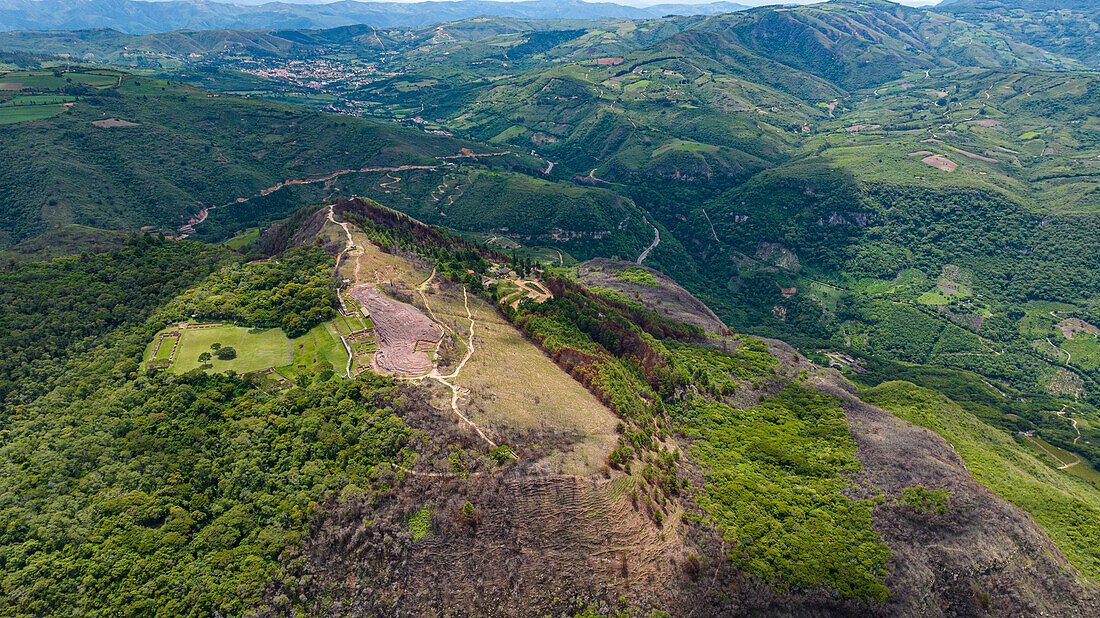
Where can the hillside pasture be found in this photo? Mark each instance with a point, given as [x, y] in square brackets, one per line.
[24, 113]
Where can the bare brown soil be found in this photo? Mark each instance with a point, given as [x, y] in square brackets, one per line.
[403, 332]
[940, 163]
[667, 298]
[987, 123]
[1071, 327]
[11, 86]
[113, 122]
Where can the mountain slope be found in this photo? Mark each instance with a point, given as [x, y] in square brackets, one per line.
[1066, 27]
[138, 17]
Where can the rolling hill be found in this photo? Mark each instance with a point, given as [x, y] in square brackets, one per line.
[139, 17]
[790, 310]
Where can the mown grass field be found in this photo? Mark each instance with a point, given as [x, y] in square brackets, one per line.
[321, 343]
[164, 351]
[256, 351]
[24, 113]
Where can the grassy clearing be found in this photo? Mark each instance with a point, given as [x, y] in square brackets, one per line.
[47, 80]
[345, 325]
[515, 388]
[37, 99]
[24, 113]
[243, 239]
[167, 344]
[256, 351]
[380, 267]
[320, 344]
[934, 298]
[1082, 469]
[1060, 456]
[1085, 349]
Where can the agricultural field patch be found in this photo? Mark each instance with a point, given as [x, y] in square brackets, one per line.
[37, 99]
[25, 113]
[49, 80]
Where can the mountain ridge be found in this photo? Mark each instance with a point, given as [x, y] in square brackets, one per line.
[140, 17]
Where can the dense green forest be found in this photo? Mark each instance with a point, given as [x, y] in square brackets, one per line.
[294, 291]
[53, 312]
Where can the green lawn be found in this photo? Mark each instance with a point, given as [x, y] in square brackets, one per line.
[255, 351]
[23, 113]
[165, 349]
[321, 343]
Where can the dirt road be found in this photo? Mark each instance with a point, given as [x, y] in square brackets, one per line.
[653, 245]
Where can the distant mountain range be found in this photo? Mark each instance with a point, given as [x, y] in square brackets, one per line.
[137, 17]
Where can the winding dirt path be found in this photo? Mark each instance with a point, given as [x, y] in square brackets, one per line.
[1062, 413]
[653, 245]
[189, 227]
[709, 223]
[434, 373]
[1069, 356]
[347, 249]
[444, 379]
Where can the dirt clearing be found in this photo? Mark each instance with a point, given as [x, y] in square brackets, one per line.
[405, 335]
[113, 122]
[11, 86]
[1071, 327]
[940, 163]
